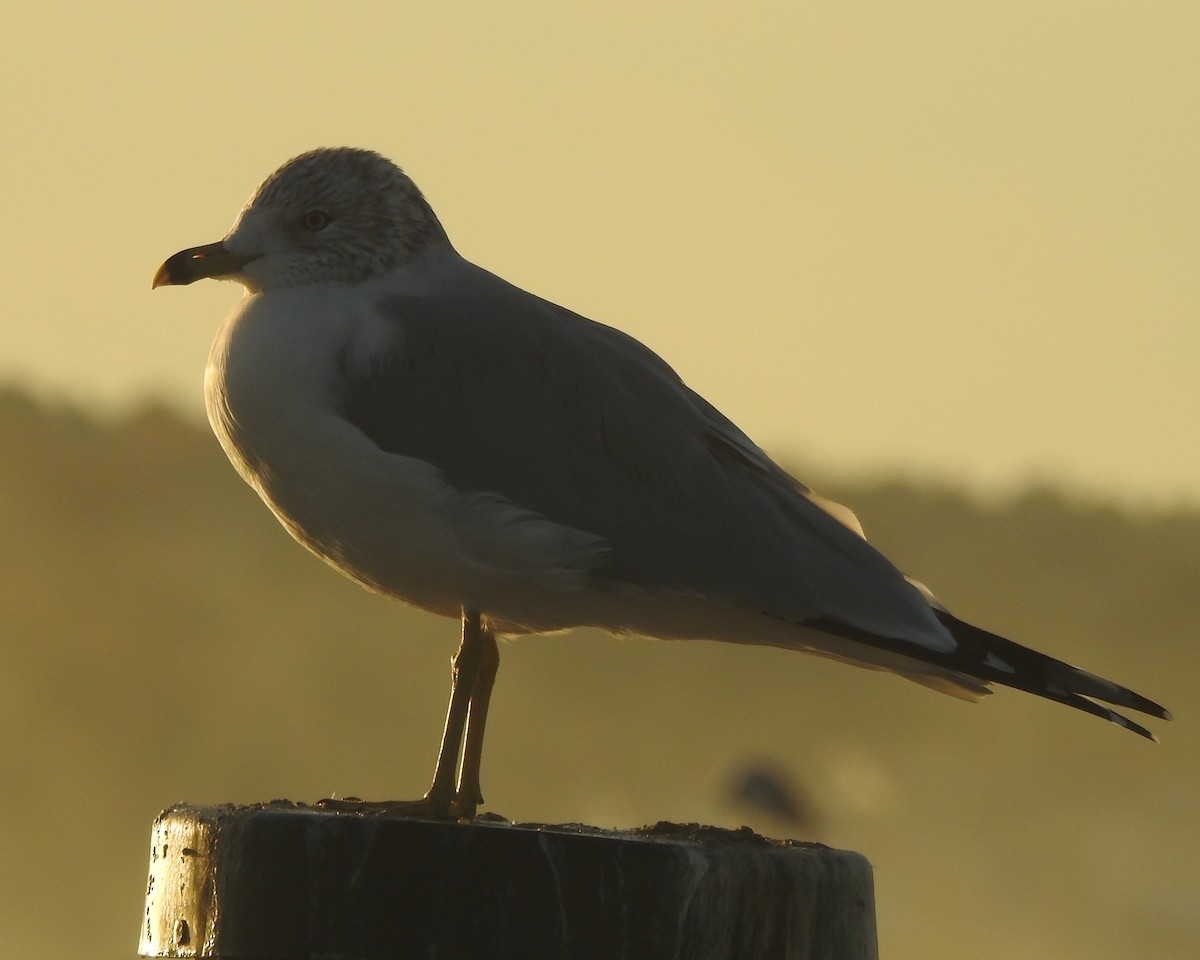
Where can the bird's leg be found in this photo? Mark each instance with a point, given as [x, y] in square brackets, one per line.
[477, 649]
[469, 796]
[464, 672]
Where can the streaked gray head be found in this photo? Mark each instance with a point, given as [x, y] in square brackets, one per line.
[334, 215]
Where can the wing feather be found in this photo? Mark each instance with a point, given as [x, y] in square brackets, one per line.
[506, 393]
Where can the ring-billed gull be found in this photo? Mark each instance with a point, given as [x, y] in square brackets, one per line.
[449, 440]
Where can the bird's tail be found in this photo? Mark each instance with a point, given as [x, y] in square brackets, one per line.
[980, 658]
[995, 659]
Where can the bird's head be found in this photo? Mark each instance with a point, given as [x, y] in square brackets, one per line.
[334, 215]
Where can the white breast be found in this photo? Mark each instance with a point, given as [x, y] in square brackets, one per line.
[275, 389]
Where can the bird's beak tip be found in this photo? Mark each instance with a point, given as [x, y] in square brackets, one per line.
[162, 278]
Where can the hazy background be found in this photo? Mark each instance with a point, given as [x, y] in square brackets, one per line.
[927, 241]
[953, 239]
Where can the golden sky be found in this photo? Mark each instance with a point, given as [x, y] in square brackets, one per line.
[942, 238]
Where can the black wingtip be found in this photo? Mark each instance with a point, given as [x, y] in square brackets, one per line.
[1128, 724]
[991, 658]
[1047, 677]
[1098, 688]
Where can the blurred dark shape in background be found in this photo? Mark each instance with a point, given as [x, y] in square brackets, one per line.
[762, 789]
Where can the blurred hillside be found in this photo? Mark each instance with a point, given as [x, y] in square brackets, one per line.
[163, 640]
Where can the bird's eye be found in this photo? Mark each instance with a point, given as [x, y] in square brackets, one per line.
[315, 220]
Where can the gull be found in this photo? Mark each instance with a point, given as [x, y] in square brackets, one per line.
[445, 438]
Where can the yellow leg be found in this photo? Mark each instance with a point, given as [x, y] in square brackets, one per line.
[473, 671]
[464, 671]
[469, 796]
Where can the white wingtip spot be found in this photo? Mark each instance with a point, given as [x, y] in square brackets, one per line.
[991, 660]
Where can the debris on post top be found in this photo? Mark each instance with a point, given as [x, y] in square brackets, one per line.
[280, 880]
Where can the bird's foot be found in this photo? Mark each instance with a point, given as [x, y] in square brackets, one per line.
[431, 807]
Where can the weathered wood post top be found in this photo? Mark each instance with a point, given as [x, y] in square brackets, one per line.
[284, 881]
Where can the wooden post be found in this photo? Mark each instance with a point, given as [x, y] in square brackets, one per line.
[283, 881]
